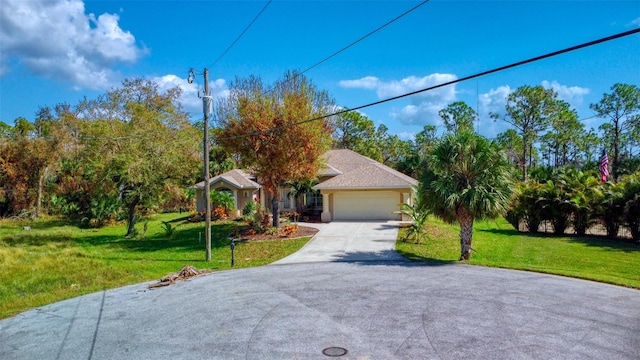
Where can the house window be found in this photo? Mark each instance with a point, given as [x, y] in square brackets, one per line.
[287, 201]
[314, 200]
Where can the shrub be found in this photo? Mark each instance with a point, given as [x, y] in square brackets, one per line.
[249, 208]
[582, 213]
[631, 200]
[168, 229]
[222, 199]
[578, 198]
[263, 218]
[259, 221]
[555, 204]
[290, 216]
[103, 211]
[611, 208]
[632, 216]
[527, 206]
[514, 217]
[290, 230]
[418, 216]
[219, 213]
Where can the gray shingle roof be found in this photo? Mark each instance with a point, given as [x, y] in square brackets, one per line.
[237, 178]
[360, 172]
[347, 169]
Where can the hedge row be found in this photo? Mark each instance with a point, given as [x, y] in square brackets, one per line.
[578, 199]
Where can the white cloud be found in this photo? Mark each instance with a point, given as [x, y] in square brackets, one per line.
[571, 94]
[406, 135]
[423, 108]
[191, 93]
[412, 83]
[367, 82]
[57, 39]
[635, 22]
[493, 101]
[424, 113]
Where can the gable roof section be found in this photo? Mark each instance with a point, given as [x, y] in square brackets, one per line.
[236, 178]
[360, 172]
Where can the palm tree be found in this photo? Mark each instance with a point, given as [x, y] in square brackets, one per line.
[632, 204]
[418, 214]
[525, 206]
[467, 178]
[556, 204]
[583, 189]
[299, 189]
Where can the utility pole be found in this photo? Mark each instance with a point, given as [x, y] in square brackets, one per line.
[207, 105]
[207, 108]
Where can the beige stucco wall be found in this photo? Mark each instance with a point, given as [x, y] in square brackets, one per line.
[404, 195]
[241, 197]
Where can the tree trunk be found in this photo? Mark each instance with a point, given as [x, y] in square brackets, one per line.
[524, 158]
[131, 219]
[466, 233]
[275, 212]
[39, 201]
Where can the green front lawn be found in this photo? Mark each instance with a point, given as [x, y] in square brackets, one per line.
[56, 260]
[497, 244]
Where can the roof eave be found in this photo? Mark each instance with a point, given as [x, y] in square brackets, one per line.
[408, 186]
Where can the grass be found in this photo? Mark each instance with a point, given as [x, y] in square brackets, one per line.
[497, 244]
[56, 260]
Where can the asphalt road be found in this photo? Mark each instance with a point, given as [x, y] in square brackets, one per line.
[364, 300]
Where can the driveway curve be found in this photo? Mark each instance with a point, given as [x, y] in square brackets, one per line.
[349, 242]
[371, 309]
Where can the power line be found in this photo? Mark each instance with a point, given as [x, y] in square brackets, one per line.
[352, 44]
[241, 34]
[365, 36]
[483, 73]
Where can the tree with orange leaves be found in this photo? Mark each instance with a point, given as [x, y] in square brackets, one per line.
[279, 133]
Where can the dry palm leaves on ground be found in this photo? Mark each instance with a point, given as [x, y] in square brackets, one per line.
[187, 272]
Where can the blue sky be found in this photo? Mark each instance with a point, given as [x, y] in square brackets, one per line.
[60, 51]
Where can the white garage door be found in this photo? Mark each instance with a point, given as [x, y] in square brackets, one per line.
[366, 205]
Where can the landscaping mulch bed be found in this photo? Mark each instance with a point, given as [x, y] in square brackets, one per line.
[303, 231]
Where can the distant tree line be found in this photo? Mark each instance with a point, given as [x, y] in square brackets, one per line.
[134, 150]
[131, 150]
[545, 133]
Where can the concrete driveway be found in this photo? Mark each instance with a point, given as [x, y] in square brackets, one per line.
[373, 309]
[349, 241]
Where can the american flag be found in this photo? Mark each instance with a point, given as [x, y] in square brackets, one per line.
[604, 166]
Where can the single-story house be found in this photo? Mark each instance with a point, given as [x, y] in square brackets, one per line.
[238, 183]
[355, 187]
[350, 187]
